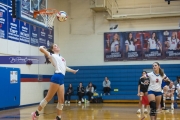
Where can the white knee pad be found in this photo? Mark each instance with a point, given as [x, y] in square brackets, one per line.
[172, 98]
[59, 106]
[43, 103]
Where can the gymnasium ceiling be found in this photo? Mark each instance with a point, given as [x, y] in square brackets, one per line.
[134, 9]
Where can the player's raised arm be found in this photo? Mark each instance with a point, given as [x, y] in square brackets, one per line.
[44, 51]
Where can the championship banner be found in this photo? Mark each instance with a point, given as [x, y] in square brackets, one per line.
[171, 44]
[3, 21]
[142, 45]
[24, 32]
[42, 37]
[13, 27]
[113, 50]
[132, 42]
[50, 37]
[34, 35]
[152, 45]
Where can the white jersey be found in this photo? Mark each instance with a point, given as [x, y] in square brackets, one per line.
[59, 63]
[173, 43]
[170, 89]
[155, 82]
[152, 43]
[178, 86]
[113, 46]
[130, 46]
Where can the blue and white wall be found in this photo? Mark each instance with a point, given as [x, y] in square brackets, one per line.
[31, 88]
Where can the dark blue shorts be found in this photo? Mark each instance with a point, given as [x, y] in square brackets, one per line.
[58, 78]
[155, 93]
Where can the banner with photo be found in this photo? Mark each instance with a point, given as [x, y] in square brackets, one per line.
[142, 45]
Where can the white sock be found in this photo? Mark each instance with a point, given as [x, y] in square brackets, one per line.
[59, 116]
[164, 105]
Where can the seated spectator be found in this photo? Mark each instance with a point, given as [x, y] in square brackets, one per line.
[90, 91]
[107, 86]
[80, 92]
[68, 94]
[169, 92]
[177, 81]
[178, 86]
[164, 86]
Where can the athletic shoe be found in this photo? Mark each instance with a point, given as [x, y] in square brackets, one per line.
[34, 117]
[68, 102]
[139, 111]
[57, 118]
[145, 111]
[82, 100]
[79, 102]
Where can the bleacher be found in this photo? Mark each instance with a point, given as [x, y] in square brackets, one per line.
[123, 77]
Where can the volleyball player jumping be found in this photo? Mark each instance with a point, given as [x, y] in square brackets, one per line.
[57, 80]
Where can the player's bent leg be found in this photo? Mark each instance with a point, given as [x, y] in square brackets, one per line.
[52, 90]
[153, 108]
[152, 104]
[140, 103]
[60, 104]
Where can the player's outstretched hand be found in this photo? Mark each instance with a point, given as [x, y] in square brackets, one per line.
[75, 71]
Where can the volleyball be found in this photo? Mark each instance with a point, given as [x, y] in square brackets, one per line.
[61, 16]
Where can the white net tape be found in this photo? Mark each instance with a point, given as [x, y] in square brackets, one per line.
[49, 18]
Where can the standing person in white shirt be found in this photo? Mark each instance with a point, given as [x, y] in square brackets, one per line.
[154, 89]
[115, 45]
[154, 43]
[57, 80]
[169, 92]
[173, 41]
[130, 43]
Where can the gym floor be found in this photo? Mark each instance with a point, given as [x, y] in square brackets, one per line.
[105, 111]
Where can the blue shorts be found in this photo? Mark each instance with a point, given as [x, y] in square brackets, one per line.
[58, 78]
[155, 93]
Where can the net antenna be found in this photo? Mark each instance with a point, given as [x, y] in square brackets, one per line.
[48, 15]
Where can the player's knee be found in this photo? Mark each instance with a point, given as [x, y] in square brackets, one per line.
[60, 106]
[43, 103]
[153, 108]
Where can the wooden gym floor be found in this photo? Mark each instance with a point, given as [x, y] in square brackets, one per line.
[105, 111]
